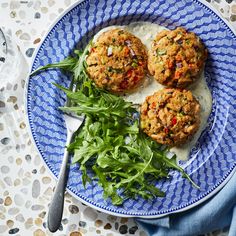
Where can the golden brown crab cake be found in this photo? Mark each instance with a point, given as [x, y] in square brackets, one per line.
[176, 58]
[117, 61]
[170, 116]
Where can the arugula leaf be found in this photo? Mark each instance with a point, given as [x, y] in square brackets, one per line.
[80, 66]
[68, 64]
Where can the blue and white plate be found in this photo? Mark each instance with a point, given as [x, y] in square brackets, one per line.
[212, 162]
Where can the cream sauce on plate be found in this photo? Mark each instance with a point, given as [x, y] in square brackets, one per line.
[147, 31]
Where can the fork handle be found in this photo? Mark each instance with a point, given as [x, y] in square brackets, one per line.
[57, 203]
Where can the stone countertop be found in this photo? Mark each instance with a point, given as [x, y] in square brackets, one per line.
[26, 186]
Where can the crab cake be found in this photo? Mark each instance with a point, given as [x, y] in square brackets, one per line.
[117, 61]
[176, 58]
[170, 116]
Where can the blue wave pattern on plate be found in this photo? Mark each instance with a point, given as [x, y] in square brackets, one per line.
[214, 156]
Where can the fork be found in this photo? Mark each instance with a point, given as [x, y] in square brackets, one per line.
[73, 123]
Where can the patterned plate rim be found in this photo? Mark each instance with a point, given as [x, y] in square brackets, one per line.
[185, 207]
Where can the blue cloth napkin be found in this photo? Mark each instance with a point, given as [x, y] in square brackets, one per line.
[216, 213]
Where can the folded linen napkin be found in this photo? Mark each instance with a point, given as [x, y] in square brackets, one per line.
[216, 213]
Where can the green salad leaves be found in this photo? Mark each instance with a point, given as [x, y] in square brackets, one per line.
[125, 162]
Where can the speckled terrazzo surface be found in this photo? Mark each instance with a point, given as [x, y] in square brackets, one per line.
[26, 185]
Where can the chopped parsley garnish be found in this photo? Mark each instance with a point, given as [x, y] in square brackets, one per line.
[161, 52]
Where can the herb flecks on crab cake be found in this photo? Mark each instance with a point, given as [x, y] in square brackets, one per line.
[177, 57]
[170, 116]
[117, 61]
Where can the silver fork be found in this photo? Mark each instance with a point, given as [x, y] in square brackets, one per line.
[73, 122]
